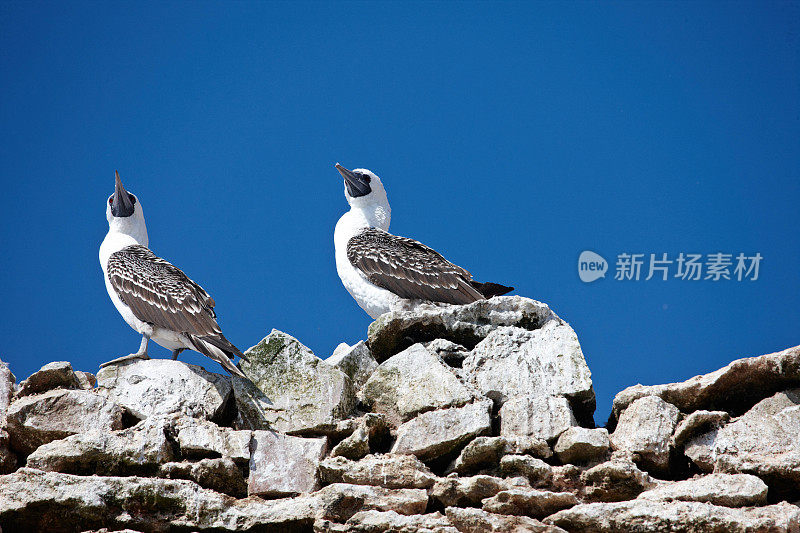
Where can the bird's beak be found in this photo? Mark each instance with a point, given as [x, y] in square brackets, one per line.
[121, 205]
[356, 185]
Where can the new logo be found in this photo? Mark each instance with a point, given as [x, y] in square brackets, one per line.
[591, 266]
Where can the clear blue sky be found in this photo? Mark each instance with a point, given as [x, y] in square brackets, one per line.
[510, 138]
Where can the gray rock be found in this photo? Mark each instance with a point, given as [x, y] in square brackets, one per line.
[42, 418]
[536, 471]
[156, 387]
[481, 452]
[467, 491]
[529, 502]
[450, 353]
[436, 433]
[696, 423]
[254, 410]
[371, 429]
[729, 490]
[201, 438]
[615, 480]
[340, 501]
[467, 325]
[55, 375]
[581, 445]
[220, 474]
[391, 471]
[137, 450]
[695, 517]
[544, 417]
[8, 459]
[411, 382]
[734, 388]
[355, 361]
[86, 380]
[313, 394]
[283, 465]
[645, 428]
[392, 522]
[765, 442]
[7, 381]
[479, 521]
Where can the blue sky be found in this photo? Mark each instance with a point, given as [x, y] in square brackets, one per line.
[510, 137]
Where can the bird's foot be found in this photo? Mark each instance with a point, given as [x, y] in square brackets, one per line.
[129, 357]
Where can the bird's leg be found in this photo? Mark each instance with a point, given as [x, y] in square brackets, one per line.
[141, 354]
[176, 352]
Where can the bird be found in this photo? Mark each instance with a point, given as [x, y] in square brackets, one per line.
[153, 296]
[379, 269]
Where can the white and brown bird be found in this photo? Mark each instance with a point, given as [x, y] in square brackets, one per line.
[379, 269]
[153, 296]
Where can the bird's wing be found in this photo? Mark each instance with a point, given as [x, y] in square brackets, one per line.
[161, 294]
[409, 269]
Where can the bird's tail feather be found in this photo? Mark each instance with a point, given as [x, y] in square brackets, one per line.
[210, 349]
[489, 289]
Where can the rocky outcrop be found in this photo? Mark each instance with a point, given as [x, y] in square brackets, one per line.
[477, 418]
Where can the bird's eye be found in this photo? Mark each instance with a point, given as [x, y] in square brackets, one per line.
[366, 177]
[132, 198]
[110, 200]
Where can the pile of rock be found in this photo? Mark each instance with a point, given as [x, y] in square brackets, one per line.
[448, 419]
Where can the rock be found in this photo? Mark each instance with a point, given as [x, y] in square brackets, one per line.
[283, 465]
[479, 521]
[467, 325]
[437, 433]
[614, 481]
[467, 491]
[137, 450]
[372, 430]
[764, 442]
[411, 382]
[42, 418]
[32, 500]
[697, 422]
[86, 380]
[734, 388]
[8, 460]
[156, 387]
[220, 474]
[696, 517]
[729, 490]
[313, 394]
[536, 471]
[449, 353]
[645, 428]
[55, 375]
[356, 362]
[391, 471]
[529, 502]
[390, 521]
[486, 452]
[7, 380]
[254, 410]
[544, 417]
[201, 438]
[580, 445]
[340, 501]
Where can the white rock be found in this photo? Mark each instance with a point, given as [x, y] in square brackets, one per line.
[220, 474]
[467, 491]
[7, 380]
[581, 445]
[544, 417]
[696, 423]
[391, 471]
[536, 471]
[355, 361]
[529, 502]
[340, 501]
[157, 387]
[197, 437]
[390, 521]
[615, 480]
[730, 490]
[645, 428]
[55, 375]
[479, 521]
[284, 465]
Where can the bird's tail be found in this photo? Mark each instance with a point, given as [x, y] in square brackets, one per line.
[220, 350]
[489, 289]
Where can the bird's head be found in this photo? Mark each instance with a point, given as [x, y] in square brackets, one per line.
[364, 190]
[123, 210]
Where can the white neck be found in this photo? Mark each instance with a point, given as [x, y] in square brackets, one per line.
[373, 214]
[122, 232]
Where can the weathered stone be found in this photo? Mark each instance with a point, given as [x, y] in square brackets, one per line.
[467, 491]
[283, 465]
[567, 478]
[479, 521]
[450, 353]
[411, 382]
[137, 450]
[615, 481]
[86, 380]
[340, 501]
[355, 361]
[254, 410]
[7, 381]
[529, 502]
[734, 388]
[695, 517]
[436, 433]
[536, 471]
[390, 521]
[544, 417]
[730, 490]
[32, 500]
[467, 325]
[155, 387]
[645, 428]
[372, 428]
[391, 471]
[8, 459]
[55, 375]
[486, 452]
[39, 419]
[312, 394]
[581, 445]
[220, 474]
[765, 442]
[696, 423]
[198, 438]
